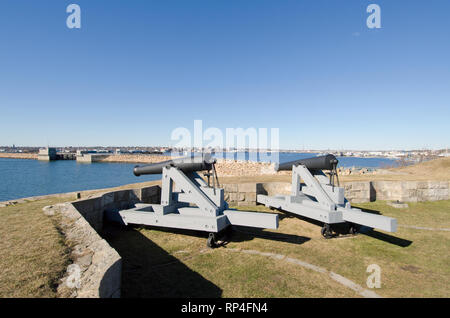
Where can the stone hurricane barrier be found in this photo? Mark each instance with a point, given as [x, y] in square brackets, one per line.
[223, 167]
[229, 168]
[18, 155]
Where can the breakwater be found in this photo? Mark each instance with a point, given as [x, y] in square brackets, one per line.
[18, 155]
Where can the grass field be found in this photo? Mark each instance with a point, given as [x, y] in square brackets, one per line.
[32, 252]
[414, 263]
[161, 263]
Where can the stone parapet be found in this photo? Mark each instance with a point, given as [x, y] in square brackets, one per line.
[96, 268]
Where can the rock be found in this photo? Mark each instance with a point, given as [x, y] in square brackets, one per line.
[49, 210]
[84, 261]
[397, 204]
[363, 171]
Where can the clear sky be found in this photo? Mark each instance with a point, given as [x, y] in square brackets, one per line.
[136, 70]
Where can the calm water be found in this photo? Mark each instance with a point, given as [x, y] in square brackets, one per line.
[21, 178]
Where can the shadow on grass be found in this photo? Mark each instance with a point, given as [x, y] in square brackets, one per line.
[237, 234]
[385, 237]
[149, 271]
[343, 228]
[243, 234]
[370, 211]
[382, 236]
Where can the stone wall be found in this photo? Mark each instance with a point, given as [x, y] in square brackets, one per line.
[240, 194]
[411, 191]
[93, 208]
[96, 267]
[244, 194]
[355, 191]
[408, 191]
[358, 192]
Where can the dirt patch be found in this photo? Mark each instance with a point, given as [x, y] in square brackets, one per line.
[411, 268]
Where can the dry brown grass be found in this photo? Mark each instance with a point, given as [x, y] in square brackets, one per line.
[433, 170]
[32, 252]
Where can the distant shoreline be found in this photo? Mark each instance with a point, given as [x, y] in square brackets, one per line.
[18, 155]
[140, 158]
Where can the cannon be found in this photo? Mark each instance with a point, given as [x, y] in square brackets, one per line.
[185, 164]
[327, 162]
[318, 198]
[189, 202]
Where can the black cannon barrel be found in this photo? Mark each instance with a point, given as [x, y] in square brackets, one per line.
[185, 164]
[327, 162]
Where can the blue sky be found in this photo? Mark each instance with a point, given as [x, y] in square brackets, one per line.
[136, 70]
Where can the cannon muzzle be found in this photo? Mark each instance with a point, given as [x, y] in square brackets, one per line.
[185, 164]
[327, 162]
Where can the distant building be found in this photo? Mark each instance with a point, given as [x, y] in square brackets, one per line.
[47, 154]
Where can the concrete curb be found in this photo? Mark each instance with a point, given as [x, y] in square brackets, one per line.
[336, 277]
